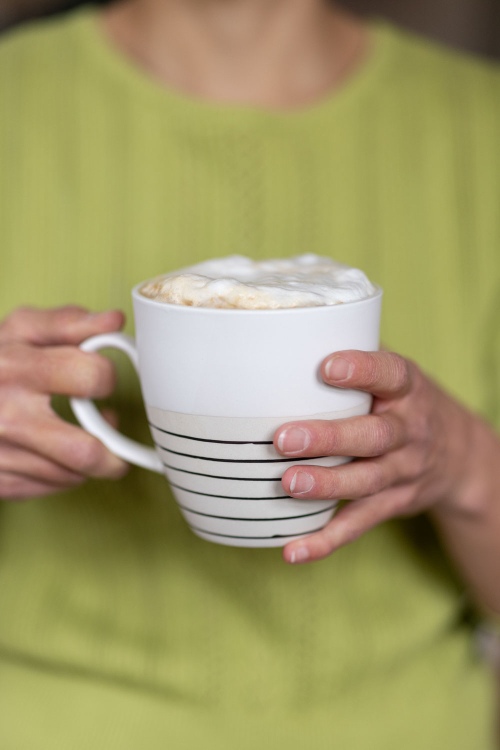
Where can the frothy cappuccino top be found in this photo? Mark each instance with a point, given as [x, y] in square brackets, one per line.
[239, 282]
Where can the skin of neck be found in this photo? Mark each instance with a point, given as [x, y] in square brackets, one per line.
[275, 54]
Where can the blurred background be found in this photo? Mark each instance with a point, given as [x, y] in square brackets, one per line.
[469, 24]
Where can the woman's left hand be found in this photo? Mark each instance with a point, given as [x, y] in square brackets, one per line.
[412, 451]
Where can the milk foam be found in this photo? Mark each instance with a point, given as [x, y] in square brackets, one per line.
[242, 283]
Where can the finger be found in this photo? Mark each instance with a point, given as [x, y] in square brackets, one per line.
[371, 435]
[111, 416]
[63, 325]
[347, 482]
[18, 487]
[69, 446]
[15, 460]
[63, 370]
[351, 522]
[383, 374]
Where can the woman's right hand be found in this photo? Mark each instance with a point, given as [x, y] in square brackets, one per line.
[40, 453]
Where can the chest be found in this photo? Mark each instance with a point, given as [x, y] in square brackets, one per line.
[83, 221]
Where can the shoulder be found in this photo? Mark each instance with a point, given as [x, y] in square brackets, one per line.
[42, 48]
[43, 34]
[440, 78]
[41, 67]
[421, 57]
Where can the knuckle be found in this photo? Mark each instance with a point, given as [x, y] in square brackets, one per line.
[87, 455]
[405, 500]
[329, 438]
[402, 371]
[420, 432]
[69, 313]
[417, 463]
[325, 542]
[323, 549]
[351, 532]
[42, 368]
[371, 369]
[106, 375]
[345, 531]
[96, 376]
[9, 417]
[383, 434]
[118, 469]
[67, 481]
[16, 323]
[12, 355]
[425, 465]
[11, 487]
[64, 319]
[35, 324]
[375, 479]
[325, 483]
[57, 475]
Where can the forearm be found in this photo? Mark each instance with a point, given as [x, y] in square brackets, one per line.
[470, 528]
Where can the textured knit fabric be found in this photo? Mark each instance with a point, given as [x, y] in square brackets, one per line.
[120, 629]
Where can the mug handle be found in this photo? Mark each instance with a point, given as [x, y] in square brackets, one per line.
[94, 423]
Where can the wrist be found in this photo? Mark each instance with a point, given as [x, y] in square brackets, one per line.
[474, 470]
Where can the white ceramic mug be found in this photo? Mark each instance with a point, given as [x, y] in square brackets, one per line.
[217, 383]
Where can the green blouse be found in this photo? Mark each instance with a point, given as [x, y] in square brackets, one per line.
[118, 627]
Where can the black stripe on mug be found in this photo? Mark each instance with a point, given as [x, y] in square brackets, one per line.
[252, 520]
[228, 497]
[216, 476]
[207, 440]
[273, 536]
[237, 460]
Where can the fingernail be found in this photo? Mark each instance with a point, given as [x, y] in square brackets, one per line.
[294, 440]
[299, 554]
[338, 369]
[301, 482]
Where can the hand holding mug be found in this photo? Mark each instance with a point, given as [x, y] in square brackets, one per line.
[41, 454]
[412, 451]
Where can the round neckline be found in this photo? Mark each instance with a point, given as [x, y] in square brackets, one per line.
[153, 93]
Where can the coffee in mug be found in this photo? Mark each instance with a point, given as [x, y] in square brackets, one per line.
[237, 282]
